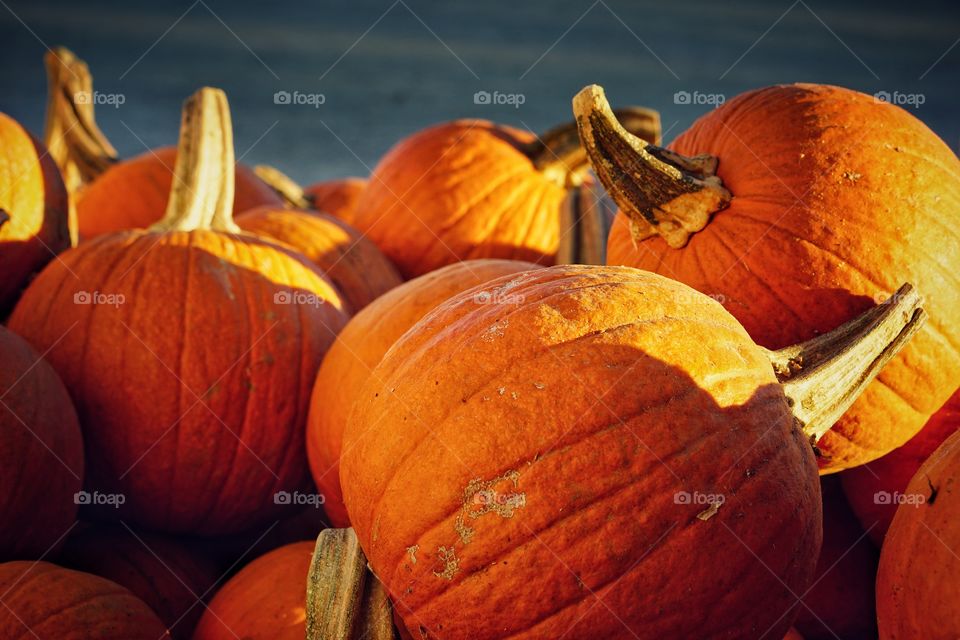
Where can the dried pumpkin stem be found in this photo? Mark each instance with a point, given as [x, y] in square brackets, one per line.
[201, 196]
[345, 601]
[661, 192]
[559, 155]
[71, 134]
[823, 376]
[291, 192]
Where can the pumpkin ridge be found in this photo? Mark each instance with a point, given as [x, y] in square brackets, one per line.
[536, 210]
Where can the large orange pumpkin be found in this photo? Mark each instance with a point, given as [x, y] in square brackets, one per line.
[829, 199]
[42, 600]
[875, 490]
[114, 195]
[360, 347]
[602, 452]
[475, 189]
[189, 350]
[360, 271]
[170, 578]
[266, 600]
[41, 453]
[33, 210]
[917, 586]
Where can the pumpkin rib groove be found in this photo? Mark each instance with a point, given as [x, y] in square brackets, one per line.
[185, 354]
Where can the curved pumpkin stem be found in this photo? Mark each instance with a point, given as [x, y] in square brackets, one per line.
[202, 193]
[660, 191]
[285, 187]
[345, 601]
[71, 134]
[824, 375]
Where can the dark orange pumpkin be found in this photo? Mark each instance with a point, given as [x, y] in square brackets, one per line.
[360, 271]
[475, 189]
[266, 600]
[829, 199]
[337, 197]
[601, 452]
[189, 349]
[41, 453]
[33, 210]
[360, 347]
[42, 600]
[876, 489]
[171, 579]
[917, 586]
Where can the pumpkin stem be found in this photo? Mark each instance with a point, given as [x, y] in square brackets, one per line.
[345, 600]
[824, 375]
[660, 191]
[202, 193]
[285, 187]
[71, 134]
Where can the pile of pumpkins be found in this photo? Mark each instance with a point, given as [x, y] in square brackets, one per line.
[461, 398]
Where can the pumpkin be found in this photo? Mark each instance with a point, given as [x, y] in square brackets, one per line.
[840, 602]
[360, 347]
[917, 586]
[41, 453]
[264, 601]
[42, 600]
[352, 262]
[793, 634]
[115, 195]
[34, 224]
[804, 205]
[165, 574]
[602, 452]
[189, 349]
[876, 489]
[474, 189]
[337, 197]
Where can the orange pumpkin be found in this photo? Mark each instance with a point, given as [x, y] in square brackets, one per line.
[33, 210]
[360, 271]
[113, 195]
[166, 575]
[266, 600]
[570, 458]
[823, 201]
[42, 600]
[875, 490]
[840, 603]
[337, 197]
[917, 586]
[360, 347]
[475, 189]
[41, 453]
[189, 349]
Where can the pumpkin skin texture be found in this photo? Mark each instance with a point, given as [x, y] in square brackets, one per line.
[841, 602]
[354, 264]
[359, 348]
[52, 602]
[865, 486]
[337, 197]
[133, 194]
[266, 600]
[34, 220]
[836, 199]
[917, 587]
[170, 578]
[41, 453]
[506, 461]
[458, 191]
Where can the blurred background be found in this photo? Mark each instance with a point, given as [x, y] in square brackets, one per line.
[323, 89]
